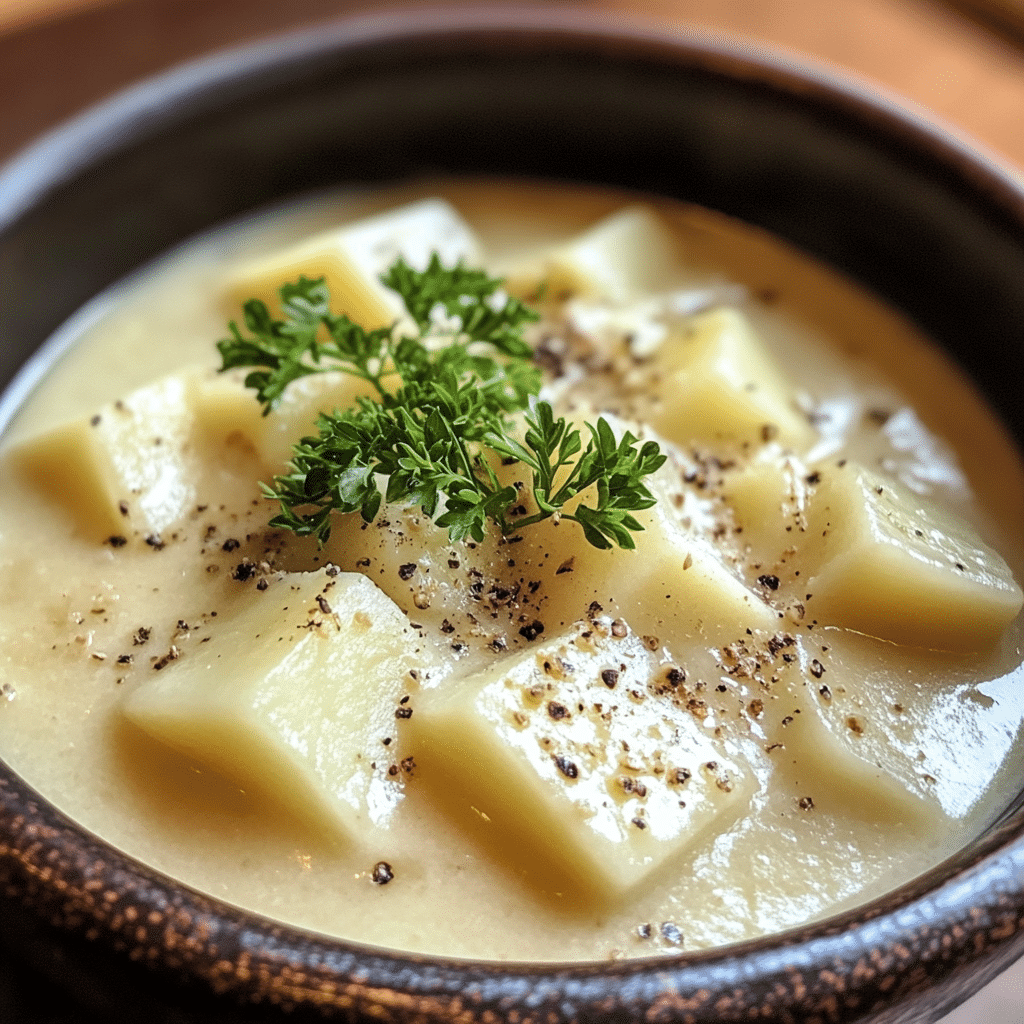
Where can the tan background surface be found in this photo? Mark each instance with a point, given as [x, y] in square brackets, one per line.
[929, 53]
[56, 56]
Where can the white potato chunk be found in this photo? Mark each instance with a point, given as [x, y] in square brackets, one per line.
[296, 696]
[352, 258]
[626, 255]
[673, 586]
[130, 467]
[841, 739]
[715, 381]
[447, 588]
[825, 761]
[225, 407]
[896, 566]
[768, 497]
[580, 760]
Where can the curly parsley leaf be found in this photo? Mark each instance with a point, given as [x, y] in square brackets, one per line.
[445, 395]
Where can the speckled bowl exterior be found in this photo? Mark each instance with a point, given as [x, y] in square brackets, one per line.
[897, 202]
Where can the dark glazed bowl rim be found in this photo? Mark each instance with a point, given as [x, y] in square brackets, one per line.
[928, 944]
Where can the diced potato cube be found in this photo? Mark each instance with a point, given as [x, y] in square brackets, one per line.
[768, 497]
[579, 762]
[840, 749]
[296, 415]
[411, 560]
[351, 258]
[626, 255]
[129, 467]
[295, 695]
[414, 232]
[716, 381]
[673, 586]
[225, 406]
[896, 566]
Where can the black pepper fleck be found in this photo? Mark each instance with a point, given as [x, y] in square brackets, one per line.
[382, 873]
[532, 631]
[162, 662]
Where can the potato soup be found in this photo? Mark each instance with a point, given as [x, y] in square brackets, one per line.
[801, 687]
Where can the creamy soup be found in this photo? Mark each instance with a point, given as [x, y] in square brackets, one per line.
[800, 690]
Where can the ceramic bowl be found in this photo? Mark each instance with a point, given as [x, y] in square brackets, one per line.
[896, 202]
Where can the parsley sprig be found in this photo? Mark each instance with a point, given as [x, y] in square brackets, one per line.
[446, 396]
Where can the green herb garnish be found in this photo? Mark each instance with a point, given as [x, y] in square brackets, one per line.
[446, 396]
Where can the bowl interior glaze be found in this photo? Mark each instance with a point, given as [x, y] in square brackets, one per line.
[899, 204]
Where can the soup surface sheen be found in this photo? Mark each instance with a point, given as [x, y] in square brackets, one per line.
[911, 750]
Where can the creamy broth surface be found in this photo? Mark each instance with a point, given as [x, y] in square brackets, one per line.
[83, 624]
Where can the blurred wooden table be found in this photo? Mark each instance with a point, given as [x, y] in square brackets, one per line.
[58, 55]
[17, 13]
